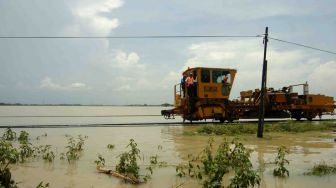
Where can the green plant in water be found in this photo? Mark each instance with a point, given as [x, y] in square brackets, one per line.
[80, 143]
[244, 175]
[128, 161]
[42, 185]
[26, 151]
[180, 170]
[210, 167]
[100, 161]
[23, 137]
[73, 152]
[9, 134]
[321, 169]
[153, 159]
[8, 155]
[74, 148]
[26, 148]
[280, 162]
[47, 154]
[110, 146]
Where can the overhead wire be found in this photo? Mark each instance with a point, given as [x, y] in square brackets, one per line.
[302, 45]
[130, 37]
[164, 37]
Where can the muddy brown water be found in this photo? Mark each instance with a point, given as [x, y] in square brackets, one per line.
[306, 149]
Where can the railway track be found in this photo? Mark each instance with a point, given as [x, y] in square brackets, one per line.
[148, 124]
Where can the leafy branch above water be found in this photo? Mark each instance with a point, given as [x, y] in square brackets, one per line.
[280, 162]
[74, 148]
[210, 166]
[128, 167]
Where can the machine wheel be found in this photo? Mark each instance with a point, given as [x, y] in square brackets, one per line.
[297, 115]
[298, 118]
[230, 117]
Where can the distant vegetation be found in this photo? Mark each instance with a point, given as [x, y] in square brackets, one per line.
[322, 169]
[248, 128]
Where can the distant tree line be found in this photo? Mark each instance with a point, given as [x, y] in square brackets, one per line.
[20, 104]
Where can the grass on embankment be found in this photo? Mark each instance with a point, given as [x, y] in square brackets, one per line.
[321, 169]
[249, 128]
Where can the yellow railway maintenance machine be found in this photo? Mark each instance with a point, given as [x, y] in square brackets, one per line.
[206, 98]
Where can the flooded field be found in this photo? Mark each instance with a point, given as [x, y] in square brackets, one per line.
[306, 149]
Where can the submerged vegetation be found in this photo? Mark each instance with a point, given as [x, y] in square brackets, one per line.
[9, 135]
[74, 148]
[210, 166]
[321, 169]
[20, 149]
[228, 158]
[128, 161]
[8, 155]
[110, 146]
[249, 128]
[280, 162]
[128, 167]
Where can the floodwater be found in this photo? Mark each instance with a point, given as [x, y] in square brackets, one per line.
[306, 149]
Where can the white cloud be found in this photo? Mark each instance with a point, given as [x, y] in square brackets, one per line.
[77, 85]
[125, 70]
[284, 67]
[47, 83]
[124, 60]
[244, 10]
[123, 88]
[92, 16]
[322, 79]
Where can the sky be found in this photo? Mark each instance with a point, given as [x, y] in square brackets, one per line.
[139, 71]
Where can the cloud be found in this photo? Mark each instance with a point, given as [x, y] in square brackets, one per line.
[77, 85]
[285, 67]
[245, 10]
[323, 77]
[124, 88]
[47, 83]
[93, 16]
[124, 60]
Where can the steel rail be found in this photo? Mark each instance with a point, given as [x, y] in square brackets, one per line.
[149, 124]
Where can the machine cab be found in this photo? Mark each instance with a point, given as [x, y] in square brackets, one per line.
[208, 83]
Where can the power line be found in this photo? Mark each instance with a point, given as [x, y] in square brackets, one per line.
[130, 37]
[302, 45]
[161, 37]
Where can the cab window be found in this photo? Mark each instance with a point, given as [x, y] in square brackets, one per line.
[195, 75]
[205, 75]
[219, 76]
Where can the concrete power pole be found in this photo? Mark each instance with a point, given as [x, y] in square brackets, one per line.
[263, 90]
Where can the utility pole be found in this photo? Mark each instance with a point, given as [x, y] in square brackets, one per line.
[263, 90]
